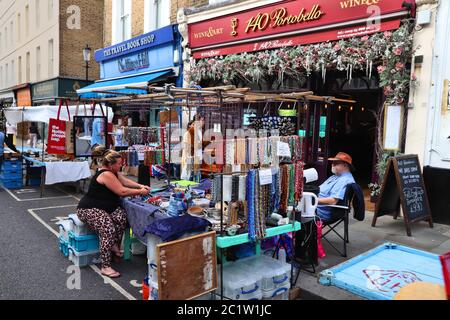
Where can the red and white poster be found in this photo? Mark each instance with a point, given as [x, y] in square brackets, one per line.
[56, 137]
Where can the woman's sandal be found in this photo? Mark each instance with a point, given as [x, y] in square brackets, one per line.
[111, 275]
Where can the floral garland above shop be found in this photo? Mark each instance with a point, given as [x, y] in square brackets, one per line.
[391, 51]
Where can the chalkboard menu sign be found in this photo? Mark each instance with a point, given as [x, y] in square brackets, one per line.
[403, 185]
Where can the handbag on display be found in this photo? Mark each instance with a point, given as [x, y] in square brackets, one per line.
[57, 132]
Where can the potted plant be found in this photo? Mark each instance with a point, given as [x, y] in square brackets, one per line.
[375, 190]
[381, 166]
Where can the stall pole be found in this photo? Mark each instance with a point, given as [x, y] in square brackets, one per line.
[43, 158]
[169, 143]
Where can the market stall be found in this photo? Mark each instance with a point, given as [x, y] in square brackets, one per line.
[251, 194]
[43, 167]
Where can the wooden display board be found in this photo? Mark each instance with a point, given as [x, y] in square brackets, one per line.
[403, 185]
[187, 268]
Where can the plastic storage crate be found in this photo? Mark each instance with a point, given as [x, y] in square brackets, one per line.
[238, 284]
[277, 294]
[83, 259]
[78, 227]
[153, 271]
[64, 246]
[275, 274]
[153, 290]
[64, 228]
[11, 166]
[83, 243]
[12, 175]
[12, 184]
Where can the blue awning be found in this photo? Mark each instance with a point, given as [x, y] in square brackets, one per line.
[97, 90]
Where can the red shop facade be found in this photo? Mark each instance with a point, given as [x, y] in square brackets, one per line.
[328, 129]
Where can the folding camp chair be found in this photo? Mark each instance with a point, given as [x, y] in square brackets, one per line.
[340, 214]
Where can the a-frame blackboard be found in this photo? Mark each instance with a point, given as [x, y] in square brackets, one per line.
[403, 185]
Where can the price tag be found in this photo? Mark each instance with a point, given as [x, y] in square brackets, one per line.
[217, 128]
[265, 177]
[284, 150]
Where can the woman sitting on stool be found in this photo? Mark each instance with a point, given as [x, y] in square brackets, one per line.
[101, 208]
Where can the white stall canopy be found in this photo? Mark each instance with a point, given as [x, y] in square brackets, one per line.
[17, 115]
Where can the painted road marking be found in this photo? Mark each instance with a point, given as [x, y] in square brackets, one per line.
[37, 199]
[106, 280]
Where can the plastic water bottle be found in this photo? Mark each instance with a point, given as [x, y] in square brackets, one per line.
[282, 254]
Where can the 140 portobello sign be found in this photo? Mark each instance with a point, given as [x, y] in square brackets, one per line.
[291, 23]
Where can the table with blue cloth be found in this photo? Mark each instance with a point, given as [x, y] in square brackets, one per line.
[145, 218]
[140, 215]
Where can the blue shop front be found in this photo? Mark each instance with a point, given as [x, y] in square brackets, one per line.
[128, 67]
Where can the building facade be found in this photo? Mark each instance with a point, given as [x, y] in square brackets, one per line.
[41, 45]
[428, 132]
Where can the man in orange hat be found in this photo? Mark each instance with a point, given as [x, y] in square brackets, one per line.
[333, 190]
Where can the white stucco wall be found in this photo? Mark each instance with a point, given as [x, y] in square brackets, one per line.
[419, 99]
[17, 46]
[438, 128]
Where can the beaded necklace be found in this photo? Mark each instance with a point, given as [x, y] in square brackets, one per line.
[291, 185]
[251, 204]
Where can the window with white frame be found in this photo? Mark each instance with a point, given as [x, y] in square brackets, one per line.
[18, 27]
[19, 67]
[11, 30]
[13, 73]
[50, 58]
[50, 8]
[157, 14]
[38, 13]
[27, 20]
[121, 22]
[27, 70]
[6, 75]
[38, 63]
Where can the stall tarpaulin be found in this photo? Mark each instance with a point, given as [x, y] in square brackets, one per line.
[57, 133]
[16, 115]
